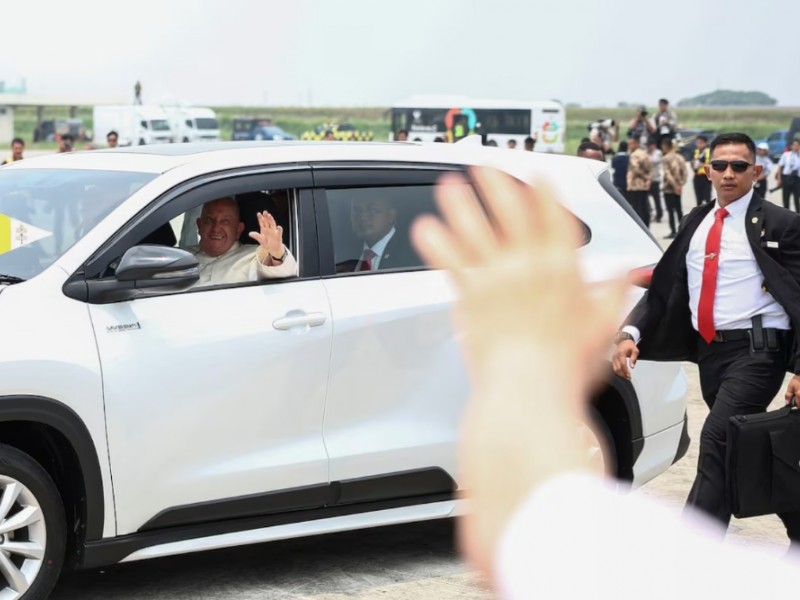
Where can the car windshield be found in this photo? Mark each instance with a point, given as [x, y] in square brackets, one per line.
[43, 212]
[159, 125]
[207, 123]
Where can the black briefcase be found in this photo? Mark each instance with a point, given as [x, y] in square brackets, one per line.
[763, 462]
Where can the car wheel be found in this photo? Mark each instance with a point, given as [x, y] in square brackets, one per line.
[259, 136]
[597, 437]
[185, 140]
[32, 528]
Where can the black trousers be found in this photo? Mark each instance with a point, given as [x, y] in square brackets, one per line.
[655, 192]
[791, 187]
[638, 200]
[761, 188]
[733, 382]
[702, 189]
[674, 209]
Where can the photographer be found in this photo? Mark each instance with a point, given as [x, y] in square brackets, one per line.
[666, 121]
[788, 175]
[603, 132]
[640, 126]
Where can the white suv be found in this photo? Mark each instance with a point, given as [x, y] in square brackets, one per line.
[143, 416]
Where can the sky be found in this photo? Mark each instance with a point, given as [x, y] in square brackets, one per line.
[375, 52]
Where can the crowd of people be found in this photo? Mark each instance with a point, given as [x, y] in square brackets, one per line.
[651, 174]
[66, 143]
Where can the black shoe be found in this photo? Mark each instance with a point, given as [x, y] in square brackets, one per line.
[671, 236]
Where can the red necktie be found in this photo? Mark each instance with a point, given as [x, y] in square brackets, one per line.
[365, 264]
[705, 310]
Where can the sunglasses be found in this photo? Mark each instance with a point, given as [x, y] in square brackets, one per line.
[738, 166]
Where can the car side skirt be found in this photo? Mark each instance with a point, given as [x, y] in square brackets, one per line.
[262, 511]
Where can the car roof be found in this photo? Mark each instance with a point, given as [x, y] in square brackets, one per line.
[160, 158]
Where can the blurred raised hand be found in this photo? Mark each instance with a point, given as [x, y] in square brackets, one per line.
[533, 334]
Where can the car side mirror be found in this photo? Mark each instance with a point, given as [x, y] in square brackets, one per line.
[142, 271]
[158, 266]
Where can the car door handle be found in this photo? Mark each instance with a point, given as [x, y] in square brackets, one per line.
[297, 319]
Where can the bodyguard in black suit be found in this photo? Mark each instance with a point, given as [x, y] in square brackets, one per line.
[726, 295]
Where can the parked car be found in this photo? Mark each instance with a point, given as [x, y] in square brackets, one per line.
[142, 416]
[51, 130]
[777, 141]
[192, 123]
[135, 124]
[686, 140]
[343, 132]
[250, 128]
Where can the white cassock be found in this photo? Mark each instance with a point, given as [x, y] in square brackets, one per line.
[575, 537]
[243, 262]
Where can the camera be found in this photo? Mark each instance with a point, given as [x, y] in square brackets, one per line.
[601, 124]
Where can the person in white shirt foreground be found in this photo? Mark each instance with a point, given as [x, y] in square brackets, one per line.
[541, 524]
[223, 259]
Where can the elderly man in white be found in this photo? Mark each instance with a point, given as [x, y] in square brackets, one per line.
[223, 259]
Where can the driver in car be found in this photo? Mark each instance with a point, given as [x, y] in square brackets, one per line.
[223, 259]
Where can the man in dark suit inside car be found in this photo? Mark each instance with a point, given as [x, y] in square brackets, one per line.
[384, 247]
[726, 295]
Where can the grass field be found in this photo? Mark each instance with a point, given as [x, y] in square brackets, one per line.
[757, 122]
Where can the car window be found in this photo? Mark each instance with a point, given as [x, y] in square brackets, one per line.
[279, 203]
[43, 212]
[370, 226]
[236, 258]
[774, 136]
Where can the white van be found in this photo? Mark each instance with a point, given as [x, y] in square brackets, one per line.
[136, 125]
[193, 124]
[452, 118]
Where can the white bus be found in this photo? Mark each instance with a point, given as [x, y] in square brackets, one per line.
[453, 117]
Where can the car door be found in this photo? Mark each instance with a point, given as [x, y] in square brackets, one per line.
[397, 385]
[214, 397]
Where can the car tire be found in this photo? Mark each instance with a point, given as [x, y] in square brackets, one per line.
[141, 142]
[29, 571]
[259, 137]
[602, 450]
[185, 140]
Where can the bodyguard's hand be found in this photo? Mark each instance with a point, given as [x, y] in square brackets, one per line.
[793, 389]
[626, 350]
[270, 236]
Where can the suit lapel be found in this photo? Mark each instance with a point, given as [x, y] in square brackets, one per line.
[754, 222]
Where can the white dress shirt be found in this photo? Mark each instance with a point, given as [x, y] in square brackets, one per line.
[766, 164]
[739, 295]
[378, 248]
[239, 264]
[789, 163]
[574, 537]
[655, 157]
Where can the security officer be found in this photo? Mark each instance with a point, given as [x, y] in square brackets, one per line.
[700, 160]
[788, 174]
[762, 158]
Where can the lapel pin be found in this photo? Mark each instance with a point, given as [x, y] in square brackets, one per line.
[763, 232]
[754, 220]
